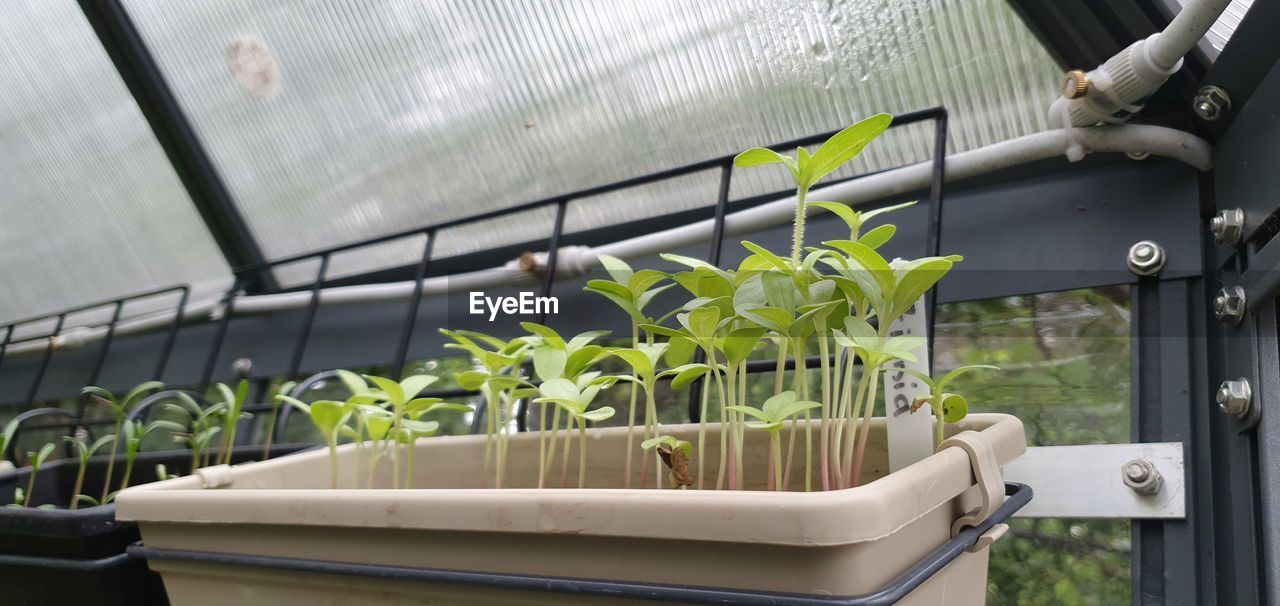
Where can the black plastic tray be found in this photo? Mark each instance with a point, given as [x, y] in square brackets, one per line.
[53, 557]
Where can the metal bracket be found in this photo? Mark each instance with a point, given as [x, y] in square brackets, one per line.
[1089, 481]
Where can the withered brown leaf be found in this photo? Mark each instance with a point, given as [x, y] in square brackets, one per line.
[678, 462]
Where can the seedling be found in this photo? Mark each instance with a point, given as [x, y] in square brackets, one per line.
[120, 409]
[6, 436]
[280, 388]
[36, 460]
[328, 416]
[771, 416]
[134, 433]
[499, 383]
[575, 400]
[206, 424]
[84, 452]
[947, 407]
[631, 291]
[643, 361]
[809, 169]
[232, 408]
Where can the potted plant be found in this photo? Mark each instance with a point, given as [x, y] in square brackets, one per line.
[59, 542]
[797, 504]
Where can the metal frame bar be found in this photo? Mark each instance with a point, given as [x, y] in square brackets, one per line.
[173, 130]
[60, 318]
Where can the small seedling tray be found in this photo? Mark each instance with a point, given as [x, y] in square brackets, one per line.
[78, 557]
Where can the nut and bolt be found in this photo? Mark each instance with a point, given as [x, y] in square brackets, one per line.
[1227, 226]
[241, 367]
[1075, 84]
[1142, 477]
[1146, 258]
[1211, 102]
[1229, 305]
[1235, 397]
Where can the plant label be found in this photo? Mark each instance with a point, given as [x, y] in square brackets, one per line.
[910, 434]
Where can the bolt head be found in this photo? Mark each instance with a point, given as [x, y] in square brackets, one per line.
[1142, 477]
[1227, 226]
[1146, 258]
[1211, 102]
[1234, 397]
[1229, 305]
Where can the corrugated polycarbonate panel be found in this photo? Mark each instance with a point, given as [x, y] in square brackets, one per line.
[334, 121]
[1226, 25]
[92, 208]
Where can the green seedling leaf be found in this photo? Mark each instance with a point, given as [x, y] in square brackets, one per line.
[472, 380]
[549, 335]
[759, 156]
[774, 260]
[871, 214]
[738, 344]
[395, 393]
[600, 414]
[878, 236]
[954, 407]
[955, 373]
[411, 386]
[685, 374]
[844, 146]
[680, 350]
[618, 269]
[549, 362]
[327, 415]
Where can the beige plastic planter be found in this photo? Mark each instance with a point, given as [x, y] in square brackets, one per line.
[273, 533]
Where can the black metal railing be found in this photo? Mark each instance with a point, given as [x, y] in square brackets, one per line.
[252, 273]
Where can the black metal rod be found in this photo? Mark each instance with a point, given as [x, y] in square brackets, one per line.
[88, 306]
[548, 283]
[173, 131]
[44, 360]
[23, 417]
[713, 257]
[553, 255]
[415, 300]
[229, 302]
[101, 360]
[312, 307]
[166, 350]
[8, 337]
[61, 322]
[933, 238]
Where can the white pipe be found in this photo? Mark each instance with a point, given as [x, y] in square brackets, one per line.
[576, 260]
[1185, 31]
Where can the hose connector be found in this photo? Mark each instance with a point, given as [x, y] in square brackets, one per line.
[1115, 90]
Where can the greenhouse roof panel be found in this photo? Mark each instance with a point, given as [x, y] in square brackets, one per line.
[84, 177]
[335, 121]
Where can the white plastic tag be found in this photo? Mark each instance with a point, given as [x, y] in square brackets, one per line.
[910, 435]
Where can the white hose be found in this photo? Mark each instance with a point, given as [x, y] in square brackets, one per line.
[1185, 31]
[573, 261]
